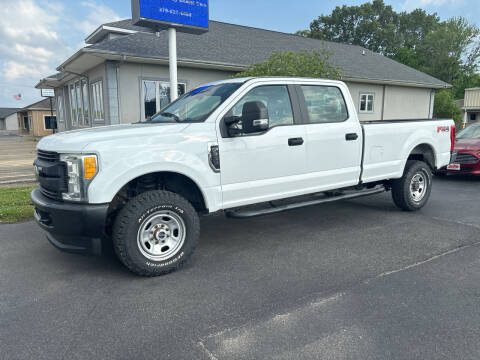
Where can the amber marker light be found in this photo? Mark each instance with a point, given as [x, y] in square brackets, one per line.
[89, 167]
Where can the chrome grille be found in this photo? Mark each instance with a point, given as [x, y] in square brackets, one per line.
[466, 159]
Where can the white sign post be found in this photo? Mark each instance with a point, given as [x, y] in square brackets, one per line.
[182, 15]
[172, 63]
[50, 93]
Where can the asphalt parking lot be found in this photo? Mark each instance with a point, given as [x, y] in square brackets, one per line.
[350, 280]
[16, 160]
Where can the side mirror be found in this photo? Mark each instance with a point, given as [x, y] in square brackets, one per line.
[254, 117]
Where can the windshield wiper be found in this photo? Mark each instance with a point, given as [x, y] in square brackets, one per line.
[170, 115]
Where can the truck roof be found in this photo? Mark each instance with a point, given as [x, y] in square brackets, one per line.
[273, 78]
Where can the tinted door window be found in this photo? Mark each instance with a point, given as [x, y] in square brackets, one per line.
[275, 98]
[325, 104]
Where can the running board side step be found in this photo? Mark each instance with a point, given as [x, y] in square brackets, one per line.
[248, 213]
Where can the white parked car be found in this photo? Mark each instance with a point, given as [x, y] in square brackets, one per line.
[244, 146]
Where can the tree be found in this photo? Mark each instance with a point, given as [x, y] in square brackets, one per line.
[465, 81]
[415, 26]
[448, 50]
[316, 64]
[451, 50]
[372, 25]
[445, 107]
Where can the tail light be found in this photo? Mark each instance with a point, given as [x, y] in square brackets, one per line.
[452, 137]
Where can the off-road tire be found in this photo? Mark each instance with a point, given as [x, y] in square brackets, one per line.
[401, 188]
[129, 220]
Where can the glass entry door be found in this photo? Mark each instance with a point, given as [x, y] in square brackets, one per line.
[156, 95]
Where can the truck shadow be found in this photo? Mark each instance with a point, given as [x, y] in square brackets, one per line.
[458, 178]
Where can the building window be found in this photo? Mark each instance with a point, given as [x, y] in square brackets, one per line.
[367, 103]
[156, 95]
[97, 102]
[50, 122]
[73, 105]
[473, 117]
[60, 108]
[86, 107]
[79, 103]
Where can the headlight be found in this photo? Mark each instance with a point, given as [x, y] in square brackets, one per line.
[81, 169]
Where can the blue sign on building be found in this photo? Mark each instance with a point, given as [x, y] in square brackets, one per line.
[190, 15]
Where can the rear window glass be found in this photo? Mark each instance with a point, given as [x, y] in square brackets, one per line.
[325, 104]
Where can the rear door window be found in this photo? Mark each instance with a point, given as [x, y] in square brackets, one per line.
[325, 104]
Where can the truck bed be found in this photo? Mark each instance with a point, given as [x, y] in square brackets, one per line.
[388, 143]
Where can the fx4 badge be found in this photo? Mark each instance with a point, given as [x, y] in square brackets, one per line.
[443, 129]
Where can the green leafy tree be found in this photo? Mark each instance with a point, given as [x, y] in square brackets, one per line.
[304, 33]
[448, 50]
[451, 50]
[315, 64]
[372, 25]
[446, 108]
[465, 81]
[414, 27]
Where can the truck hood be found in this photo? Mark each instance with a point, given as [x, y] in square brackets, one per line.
[77, 140]
[467, 145]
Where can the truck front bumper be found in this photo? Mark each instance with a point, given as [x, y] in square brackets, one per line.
[74, 228]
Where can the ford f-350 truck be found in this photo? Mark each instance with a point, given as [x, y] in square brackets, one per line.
[248, 147]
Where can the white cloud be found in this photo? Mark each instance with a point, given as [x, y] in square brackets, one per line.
[414, 4]
[33, 41]
[15, 70]
[30, 45]
[99, 14]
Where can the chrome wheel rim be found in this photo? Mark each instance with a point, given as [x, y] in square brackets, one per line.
[418, 187]
[161, 235]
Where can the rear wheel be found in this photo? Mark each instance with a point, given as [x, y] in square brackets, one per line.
[156, 233]
[412, 191]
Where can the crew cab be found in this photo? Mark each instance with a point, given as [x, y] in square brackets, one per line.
[248, 147]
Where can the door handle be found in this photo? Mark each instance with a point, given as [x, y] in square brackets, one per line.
[351, 137]
[295, 142]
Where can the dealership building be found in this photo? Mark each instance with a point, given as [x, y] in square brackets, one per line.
[122, 75]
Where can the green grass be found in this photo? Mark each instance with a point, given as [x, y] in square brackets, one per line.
[15, 204]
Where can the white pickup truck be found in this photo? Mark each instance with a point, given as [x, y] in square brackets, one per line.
[245, 146]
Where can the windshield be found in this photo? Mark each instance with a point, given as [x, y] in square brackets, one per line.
[472, 132]
[197, 105]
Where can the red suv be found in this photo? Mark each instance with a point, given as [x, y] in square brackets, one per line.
[467, 147]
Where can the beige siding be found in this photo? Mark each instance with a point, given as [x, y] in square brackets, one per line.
[38, 120]
[377, 90]
[406, 103]
[472, 98]
[131, 75]
[11, 122]
[400, 102]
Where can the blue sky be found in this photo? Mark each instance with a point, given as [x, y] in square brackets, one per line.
[37, 35]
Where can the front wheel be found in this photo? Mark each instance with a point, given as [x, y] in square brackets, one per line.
[156, 233]
[412, 191]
